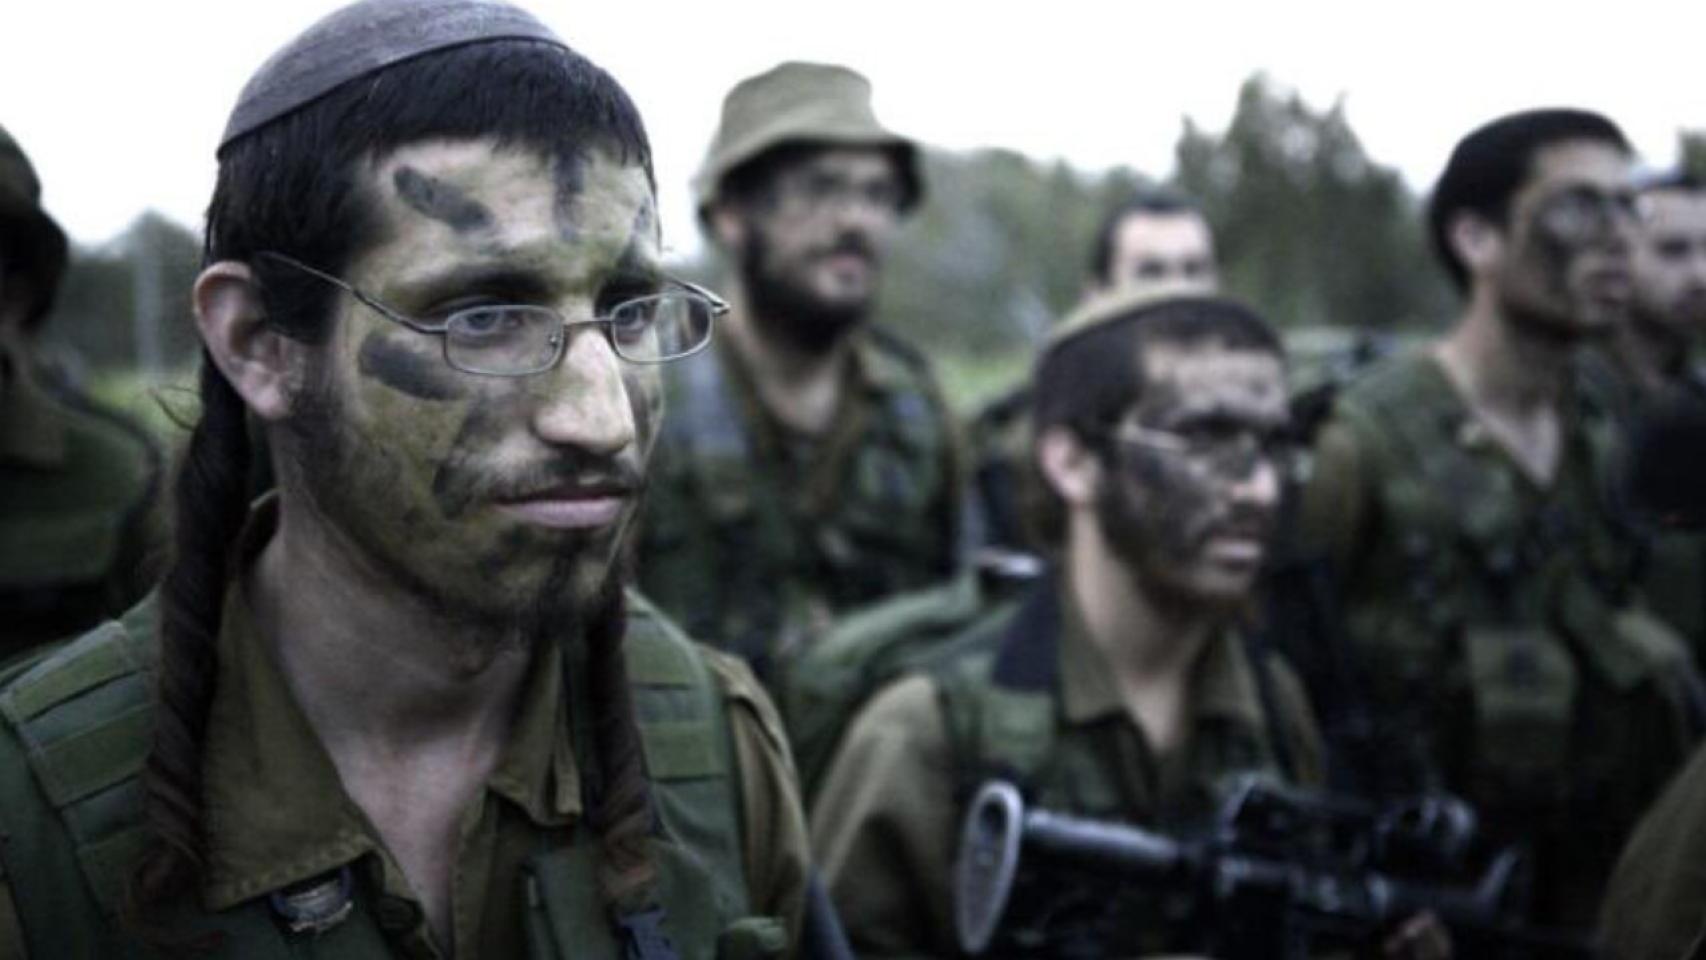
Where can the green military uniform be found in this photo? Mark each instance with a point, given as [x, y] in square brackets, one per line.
[1493, 626]
[1655, 904]
[81, 534]
[1035, 702]
[1673, 570]
[285, 840]
[755, 536]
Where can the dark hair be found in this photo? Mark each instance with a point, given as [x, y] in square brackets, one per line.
[1489, 166]
[1088, 381]
[752, 182]
[1149, 203]
[34, 255]
[295, 186]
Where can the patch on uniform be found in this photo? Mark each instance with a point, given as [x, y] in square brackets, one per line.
[317, 905]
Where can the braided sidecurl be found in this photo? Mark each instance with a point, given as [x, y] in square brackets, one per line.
[210, 503]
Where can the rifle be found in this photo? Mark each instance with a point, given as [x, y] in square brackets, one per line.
[1280, 875]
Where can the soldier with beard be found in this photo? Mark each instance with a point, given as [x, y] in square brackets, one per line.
[808, 465]
[403, 706]
[1649, 363]
[1490, 624]
[1119, 686]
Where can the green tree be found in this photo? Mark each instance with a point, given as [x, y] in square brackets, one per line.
[1309, 227]
[126, 304]
[1691, 147]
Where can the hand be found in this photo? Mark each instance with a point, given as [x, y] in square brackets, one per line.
[1422, 937]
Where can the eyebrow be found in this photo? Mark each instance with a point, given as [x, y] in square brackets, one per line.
[518, 281]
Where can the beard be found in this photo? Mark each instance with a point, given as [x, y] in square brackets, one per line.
[786, 310]
[342, 486]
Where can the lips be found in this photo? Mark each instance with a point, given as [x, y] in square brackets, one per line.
[570, 508]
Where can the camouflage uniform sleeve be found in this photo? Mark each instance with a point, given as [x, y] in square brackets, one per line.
[884, 826]
[1653, 905]
[777, 853]
[1334, 505]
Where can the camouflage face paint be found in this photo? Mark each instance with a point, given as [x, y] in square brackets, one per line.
[400, 368]
[441, 201]
[570, 176]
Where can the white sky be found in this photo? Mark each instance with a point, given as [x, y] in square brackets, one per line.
[120, 104]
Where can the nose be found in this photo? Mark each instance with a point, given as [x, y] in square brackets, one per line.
[1260, 485]
[584, 400]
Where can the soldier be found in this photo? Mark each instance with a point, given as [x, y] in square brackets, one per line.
[1120, 685]
[1488, 615]
[809, 463]
[79, 531]
[1648, 363]
[403, 706]
[1154, 239]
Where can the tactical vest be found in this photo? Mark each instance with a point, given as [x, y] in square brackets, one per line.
[822, 689]
[721, 551]
[1003, 713]
[74, 535]
[1002, 707]
[77, 727]
[1470, 590]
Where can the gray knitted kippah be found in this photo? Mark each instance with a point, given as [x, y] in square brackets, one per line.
[364, 38]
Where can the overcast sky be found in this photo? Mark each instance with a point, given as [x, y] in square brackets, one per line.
[120, 104]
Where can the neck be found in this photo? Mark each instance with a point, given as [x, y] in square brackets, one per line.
[1148, 638]
[372, 667]
[1501, 367]
[799, 387]
[1651, 355]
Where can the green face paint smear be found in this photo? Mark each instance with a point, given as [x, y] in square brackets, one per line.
[446, 203]
[403, 370]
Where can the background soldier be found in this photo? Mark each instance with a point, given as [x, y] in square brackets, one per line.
[79, 531]
[403, 707]
[1118, 686]
[1650, 363]
[1488, 617]
[808, 465]
[1153, 240]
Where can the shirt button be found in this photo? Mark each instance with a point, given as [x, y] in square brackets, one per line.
[395, 913]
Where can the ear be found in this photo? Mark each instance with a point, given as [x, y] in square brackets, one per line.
[259, 361]
[1071, 469]
[728, 226]
[1476, 241]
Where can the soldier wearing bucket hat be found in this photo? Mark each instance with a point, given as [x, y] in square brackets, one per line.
[808, 464]
[404, 705]
[79, 532]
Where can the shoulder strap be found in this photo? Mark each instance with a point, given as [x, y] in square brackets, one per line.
[1000, 707]
[684, 727]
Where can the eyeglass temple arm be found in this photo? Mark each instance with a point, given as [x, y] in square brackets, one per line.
[343, 285]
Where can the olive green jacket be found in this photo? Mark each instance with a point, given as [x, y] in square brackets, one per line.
[754, 539]
[288, 851]
[1495, 625]
[1655, 904]
[81, 531]
[1039, 705]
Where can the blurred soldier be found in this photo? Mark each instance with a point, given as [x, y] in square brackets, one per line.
[403, 706]
[1650, 363]
[1153, 240]
[808, 464]
[1488, 615]
[1120, 685]
[79, 532]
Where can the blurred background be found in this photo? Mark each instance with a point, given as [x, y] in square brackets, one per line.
[1308, 132]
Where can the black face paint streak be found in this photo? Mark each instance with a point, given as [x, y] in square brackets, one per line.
[570, 174]
[422, 377]
[1556, 250]
[645, 221]
[441, 201]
